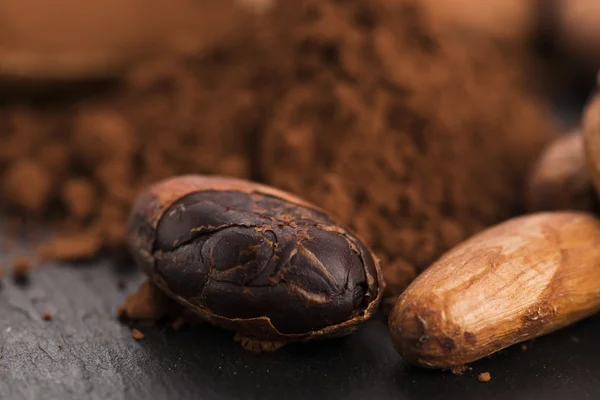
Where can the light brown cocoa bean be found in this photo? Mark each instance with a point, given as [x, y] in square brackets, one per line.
[591, 137]
[560, 179]
[518, 280]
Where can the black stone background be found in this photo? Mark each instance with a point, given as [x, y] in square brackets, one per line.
[100, 360]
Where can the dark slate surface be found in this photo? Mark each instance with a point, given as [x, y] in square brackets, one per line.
[100, 360]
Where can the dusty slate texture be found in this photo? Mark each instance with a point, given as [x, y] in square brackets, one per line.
[99, 360]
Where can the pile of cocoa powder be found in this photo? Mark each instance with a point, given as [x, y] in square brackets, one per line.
[403, 131]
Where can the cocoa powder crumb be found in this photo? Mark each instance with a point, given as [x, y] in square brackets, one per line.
[178, 324]
[484, 377]
[461, 369]
[20, 270]
[47, 316]
[147, 304]
[137, 335]
[60, 346]
[523, 347]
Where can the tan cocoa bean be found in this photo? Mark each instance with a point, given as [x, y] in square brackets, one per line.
[518, 280]
[591, 137]
[560, 179]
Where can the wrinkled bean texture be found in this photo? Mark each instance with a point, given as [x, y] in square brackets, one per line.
[244, 254]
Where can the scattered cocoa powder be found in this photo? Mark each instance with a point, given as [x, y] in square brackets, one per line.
[137, 335]
[20, 270]
[60, 346]
[461, 369]
[523, 347]
[47, 316]
[148, 303]
[404, 131]
[484, 377]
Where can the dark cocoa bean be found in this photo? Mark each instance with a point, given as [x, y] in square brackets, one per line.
[254, 259]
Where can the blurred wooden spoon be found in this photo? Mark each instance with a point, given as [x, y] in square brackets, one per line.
[66, 39]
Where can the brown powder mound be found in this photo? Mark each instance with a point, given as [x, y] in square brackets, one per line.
[190, 113]
[403, 132]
